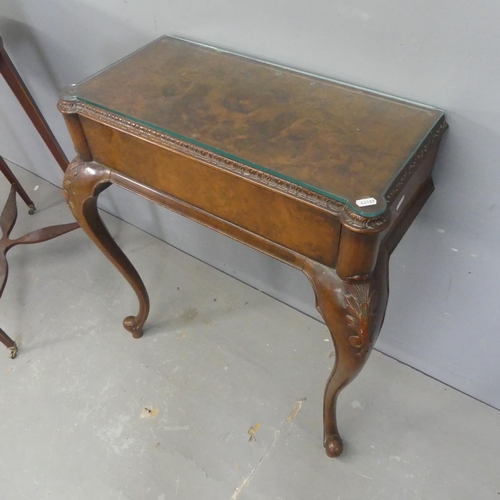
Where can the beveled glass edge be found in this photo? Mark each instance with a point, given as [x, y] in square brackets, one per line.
[308, 74]
[369, 212]
[69, 93]
[267, 63]
[72, 96]
[435, 129]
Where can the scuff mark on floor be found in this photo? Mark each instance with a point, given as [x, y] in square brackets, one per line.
[243, 484]
[224, 436]
[295, 410]
[246, 480]
[170, 428]
[362, 475]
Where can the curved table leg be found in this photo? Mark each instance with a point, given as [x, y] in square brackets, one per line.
[83, 182]
[353, 311]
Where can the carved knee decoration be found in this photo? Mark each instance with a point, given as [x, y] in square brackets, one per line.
[353, 310]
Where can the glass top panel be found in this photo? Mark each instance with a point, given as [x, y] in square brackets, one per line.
[335, 139]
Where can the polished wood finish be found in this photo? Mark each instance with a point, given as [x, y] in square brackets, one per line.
[318, 132]
[353, 310]
[295, 225]
[82, 185]
[343, 251]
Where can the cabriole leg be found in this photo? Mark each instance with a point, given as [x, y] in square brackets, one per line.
[83, 182]
[353, 310]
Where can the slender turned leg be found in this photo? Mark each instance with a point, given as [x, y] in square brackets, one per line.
[83, 182]
[353, 311]
[4, 168]
[15, 82]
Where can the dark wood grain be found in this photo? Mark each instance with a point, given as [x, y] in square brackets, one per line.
[276, 217]
[126, 124]
[332, 137]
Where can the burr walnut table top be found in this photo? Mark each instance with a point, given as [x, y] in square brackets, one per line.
[324, 176]
[337, 140]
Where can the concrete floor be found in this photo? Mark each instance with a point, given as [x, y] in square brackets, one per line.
[217, 358]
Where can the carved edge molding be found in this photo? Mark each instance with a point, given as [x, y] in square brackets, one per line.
[400, 182]
[69, 176]
[348, 217]
[68, 106]
[361, 302]
[191, 150]
[78, 167]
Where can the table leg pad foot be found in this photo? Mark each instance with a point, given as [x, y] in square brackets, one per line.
[334, 446]
[130, 324]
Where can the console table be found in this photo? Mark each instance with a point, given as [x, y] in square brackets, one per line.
[322, 175]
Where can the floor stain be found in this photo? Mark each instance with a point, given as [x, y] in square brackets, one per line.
[189, 314]
[295, 410]
[252, 431]
[149, 412]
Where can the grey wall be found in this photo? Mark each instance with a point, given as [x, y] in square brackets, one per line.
[443, 315]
